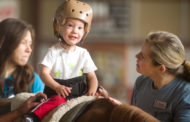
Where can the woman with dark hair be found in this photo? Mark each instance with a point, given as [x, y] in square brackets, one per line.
[16, 75]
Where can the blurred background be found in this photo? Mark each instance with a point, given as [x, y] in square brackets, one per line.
[118, 29]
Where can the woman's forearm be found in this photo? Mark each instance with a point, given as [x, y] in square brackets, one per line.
[10, 116]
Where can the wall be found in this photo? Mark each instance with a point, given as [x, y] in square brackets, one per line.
[168, 15]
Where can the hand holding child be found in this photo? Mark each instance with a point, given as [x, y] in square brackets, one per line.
[102, 92]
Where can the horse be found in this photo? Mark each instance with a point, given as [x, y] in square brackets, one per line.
[89, 109]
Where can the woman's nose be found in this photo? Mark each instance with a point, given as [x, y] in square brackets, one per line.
[137, 55]
[28, 48]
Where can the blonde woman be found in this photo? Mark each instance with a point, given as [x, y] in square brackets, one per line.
[163, 90]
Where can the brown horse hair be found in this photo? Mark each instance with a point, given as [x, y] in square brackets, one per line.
[103, 110]
[98, 111]
[130, 113]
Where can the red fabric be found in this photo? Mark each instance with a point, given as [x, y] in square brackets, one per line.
[48, 105]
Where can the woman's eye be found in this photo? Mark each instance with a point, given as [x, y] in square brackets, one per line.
[80, 28]
[23, 42]
[141, 56]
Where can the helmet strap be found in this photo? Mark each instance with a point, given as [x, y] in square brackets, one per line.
[62, 40]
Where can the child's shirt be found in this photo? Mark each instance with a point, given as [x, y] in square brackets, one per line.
[68, 64]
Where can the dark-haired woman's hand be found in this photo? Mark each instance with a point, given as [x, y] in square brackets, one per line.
[30, 103]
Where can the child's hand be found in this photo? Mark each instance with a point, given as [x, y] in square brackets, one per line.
[63, 90]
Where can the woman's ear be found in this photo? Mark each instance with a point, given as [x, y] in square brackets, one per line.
[162, 69]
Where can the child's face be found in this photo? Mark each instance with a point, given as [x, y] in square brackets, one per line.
[72, 31]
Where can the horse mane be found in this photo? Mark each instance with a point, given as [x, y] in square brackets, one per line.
[103, 110]
[98, 111]
[130, 113]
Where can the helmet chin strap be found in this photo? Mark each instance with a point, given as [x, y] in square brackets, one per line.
[60, 38]
[63, 41]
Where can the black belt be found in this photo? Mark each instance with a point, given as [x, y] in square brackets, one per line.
[79, 87]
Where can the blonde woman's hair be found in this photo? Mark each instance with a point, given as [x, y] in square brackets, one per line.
[167, 49]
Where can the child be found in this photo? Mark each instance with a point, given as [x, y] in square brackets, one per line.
[66, 63]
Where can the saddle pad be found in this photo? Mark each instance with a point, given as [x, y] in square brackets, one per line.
[55, 114]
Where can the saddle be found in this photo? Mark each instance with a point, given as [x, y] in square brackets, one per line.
[79, 87]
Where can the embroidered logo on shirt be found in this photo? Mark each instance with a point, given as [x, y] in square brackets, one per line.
[160, 104]
[71, 66]
[57, 74]
[80, 73]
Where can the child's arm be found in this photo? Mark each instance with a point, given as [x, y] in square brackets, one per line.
[50, 82]
[92, 83]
